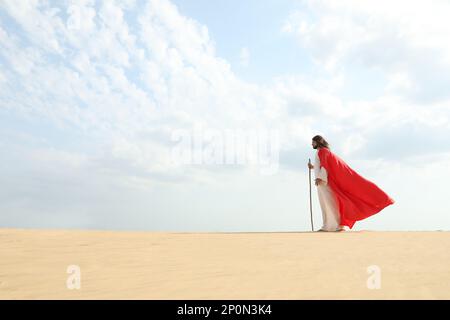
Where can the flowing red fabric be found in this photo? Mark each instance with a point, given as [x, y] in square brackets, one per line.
[358, 198]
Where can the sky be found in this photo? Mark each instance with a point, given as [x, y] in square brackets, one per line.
[113, 113]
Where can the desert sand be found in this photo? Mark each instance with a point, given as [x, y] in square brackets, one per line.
[266, 265]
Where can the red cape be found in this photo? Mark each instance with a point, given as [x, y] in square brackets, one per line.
[358, 198]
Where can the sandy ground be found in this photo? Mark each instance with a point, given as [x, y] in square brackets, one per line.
[292, 265]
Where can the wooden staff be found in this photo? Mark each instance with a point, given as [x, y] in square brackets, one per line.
[310, 196]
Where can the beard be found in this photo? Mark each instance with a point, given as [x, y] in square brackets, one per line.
[314, 147]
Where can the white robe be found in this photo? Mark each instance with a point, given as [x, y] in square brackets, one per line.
[328, 204]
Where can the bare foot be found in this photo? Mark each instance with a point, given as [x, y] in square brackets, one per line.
[342, 228]
[323, 230]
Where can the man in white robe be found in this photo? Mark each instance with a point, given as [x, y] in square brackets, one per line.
[328, 204]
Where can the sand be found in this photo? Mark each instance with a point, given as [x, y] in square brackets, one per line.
[266, 265]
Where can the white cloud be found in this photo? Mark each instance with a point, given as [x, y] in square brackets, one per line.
[244, 56]
[401, 37]
[404, 40]
[103, 86]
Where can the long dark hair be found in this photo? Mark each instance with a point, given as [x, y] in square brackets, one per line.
[321, 142]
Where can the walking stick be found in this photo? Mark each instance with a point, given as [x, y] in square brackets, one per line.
[310, 196]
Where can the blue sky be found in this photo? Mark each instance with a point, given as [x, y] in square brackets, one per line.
[92, 93]
[254, 25]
